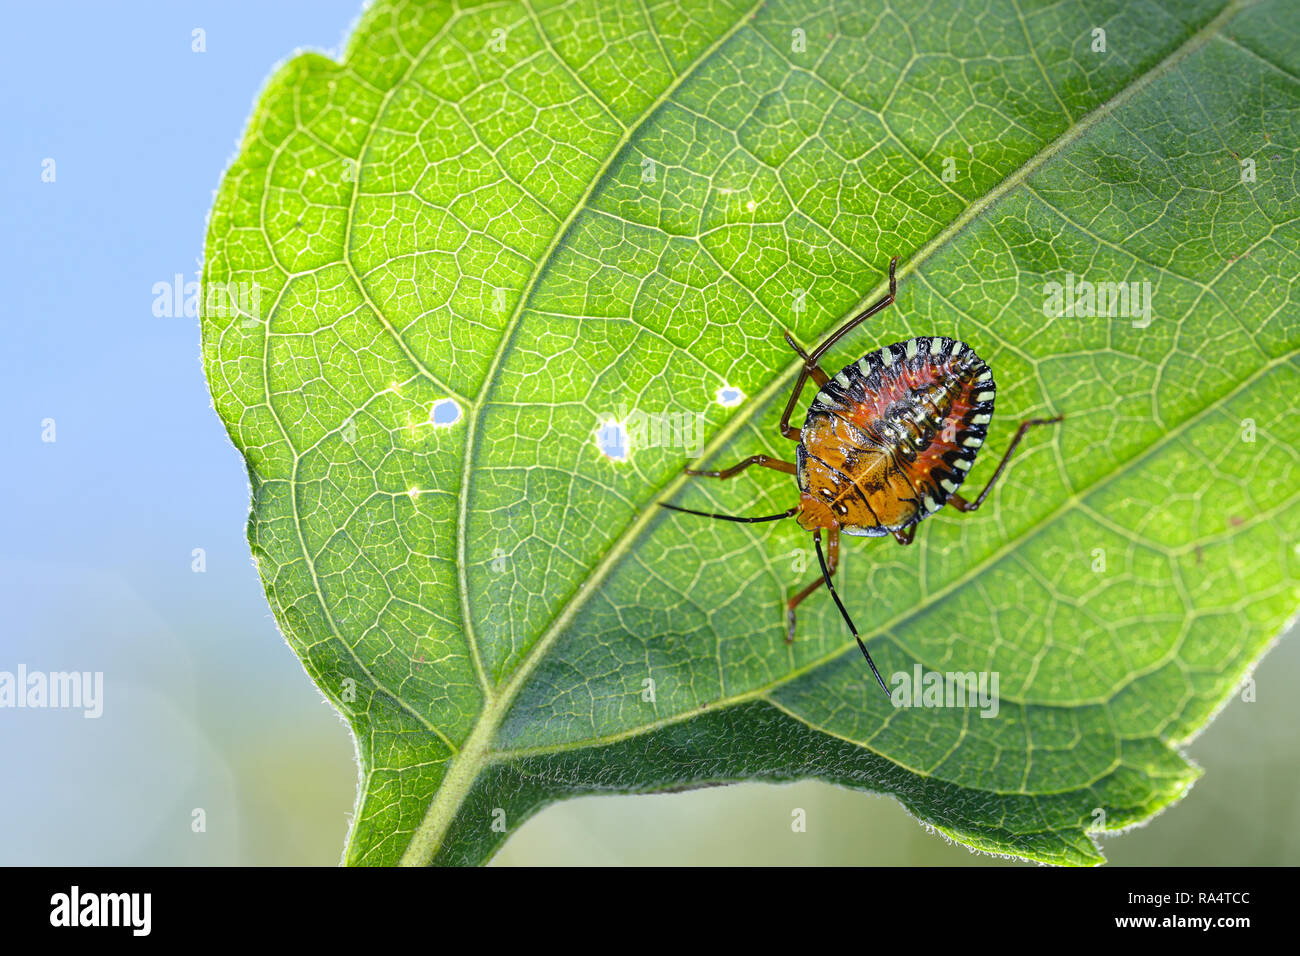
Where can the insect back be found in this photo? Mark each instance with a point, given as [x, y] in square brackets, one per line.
[890, 437]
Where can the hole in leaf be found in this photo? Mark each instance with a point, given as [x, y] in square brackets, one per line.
[729, 397]
[444, 412]
[611, 439]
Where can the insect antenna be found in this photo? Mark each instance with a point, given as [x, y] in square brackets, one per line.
[826, 574]
[709, 514]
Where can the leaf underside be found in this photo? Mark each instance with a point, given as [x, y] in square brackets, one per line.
[559, 214]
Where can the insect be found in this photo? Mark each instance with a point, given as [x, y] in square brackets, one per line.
[886, 443]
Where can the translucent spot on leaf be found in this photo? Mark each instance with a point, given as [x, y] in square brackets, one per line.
[413, 492]
[729, 397]
[611, 439]
[444, 412]
[751, 205]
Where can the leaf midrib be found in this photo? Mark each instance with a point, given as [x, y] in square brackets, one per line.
[476, 750]
[1010, 546]
[507, 334]
[743, 416]
[466, 764]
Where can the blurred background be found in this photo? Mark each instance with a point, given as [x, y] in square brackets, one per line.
[205, 706]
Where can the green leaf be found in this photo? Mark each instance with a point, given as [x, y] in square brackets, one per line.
[559, 214]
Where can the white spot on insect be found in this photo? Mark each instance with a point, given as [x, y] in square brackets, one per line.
[981, 419]
[842, 380]
[985, 377]
[962, 463]
[611, 439]
[911, 348]
[864, 366]
[931, 504]
[957, 348]
[973, 442]
[729, 397]
[948, 486]
[936, 346]
[443, 413]
[983, 396]
[887, 357]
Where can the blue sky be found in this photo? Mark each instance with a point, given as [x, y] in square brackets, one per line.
[101, 524]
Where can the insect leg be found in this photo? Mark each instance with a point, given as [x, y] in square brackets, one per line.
[857, 320]
[810, 366]
[774, 463]
[808, 370]
[905, 537]
[794, 602]
[961, 504]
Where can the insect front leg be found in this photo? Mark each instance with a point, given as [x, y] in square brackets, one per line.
[762, 460]
[832, 561]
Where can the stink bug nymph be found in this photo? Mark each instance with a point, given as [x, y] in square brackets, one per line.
[886, 443]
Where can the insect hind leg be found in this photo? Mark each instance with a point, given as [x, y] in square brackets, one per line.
[811, 369]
